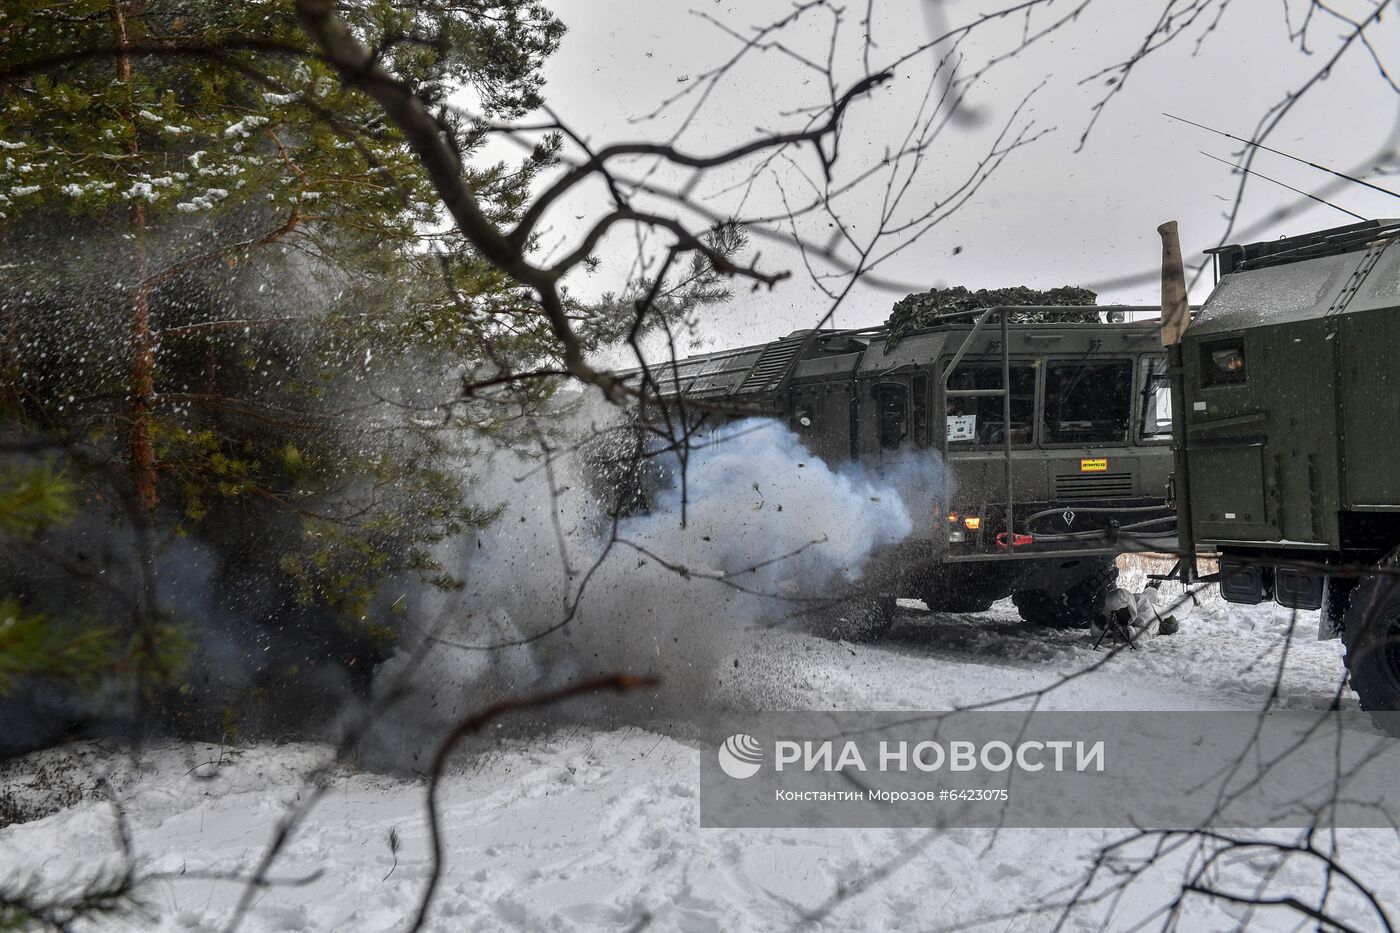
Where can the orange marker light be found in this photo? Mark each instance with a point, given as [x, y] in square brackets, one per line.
[973, 523]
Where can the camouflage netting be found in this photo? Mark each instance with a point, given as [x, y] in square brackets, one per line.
[925, 308]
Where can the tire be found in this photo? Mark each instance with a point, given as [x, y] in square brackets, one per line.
[955, 589]
[856, 619]
[1075, 607]
[956, 601]
[1372, 639]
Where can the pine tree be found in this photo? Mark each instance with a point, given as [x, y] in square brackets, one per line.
[222, 270]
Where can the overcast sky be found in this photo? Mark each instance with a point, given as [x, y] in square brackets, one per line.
[1049, 215]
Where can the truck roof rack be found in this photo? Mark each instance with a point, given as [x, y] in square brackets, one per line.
[1332, 242]
[768, 367]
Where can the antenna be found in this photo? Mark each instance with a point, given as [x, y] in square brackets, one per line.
[1282, 185]
[1321, 168]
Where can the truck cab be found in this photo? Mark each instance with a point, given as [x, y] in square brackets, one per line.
[1287, 450]
[1054, 439]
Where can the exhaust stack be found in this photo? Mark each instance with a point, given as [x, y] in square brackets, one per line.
[1176, 314]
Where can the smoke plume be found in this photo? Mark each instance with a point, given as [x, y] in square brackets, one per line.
[552, 594]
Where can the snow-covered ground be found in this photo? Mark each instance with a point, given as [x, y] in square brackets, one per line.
[598, 829]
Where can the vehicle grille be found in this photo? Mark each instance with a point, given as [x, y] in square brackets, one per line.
[772, 365]
[1070, 487]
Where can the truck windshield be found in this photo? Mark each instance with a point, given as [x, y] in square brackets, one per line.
[1156, 399]
[1087, 403]
[978, 422]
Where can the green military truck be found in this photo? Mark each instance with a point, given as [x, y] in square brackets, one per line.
[1289, 447]
[1056, 438]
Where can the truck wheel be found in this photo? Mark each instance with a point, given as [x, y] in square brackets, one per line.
[857, 618]
[956, 600]
[1372, 639]
[1076, 607]
[960, 589]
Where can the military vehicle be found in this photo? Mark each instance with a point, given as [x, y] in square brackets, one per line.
[1055, 437]
[1288, 447]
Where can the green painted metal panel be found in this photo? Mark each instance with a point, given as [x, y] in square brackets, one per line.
[1369, 374]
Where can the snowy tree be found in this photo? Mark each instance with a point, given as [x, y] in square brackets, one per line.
[221, 267]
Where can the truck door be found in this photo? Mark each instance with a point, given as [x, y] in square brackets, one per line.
[977, 431]
[1226, 438]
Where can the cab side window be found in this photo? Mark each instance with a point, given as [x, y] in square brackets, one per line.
[1156, 399]
[1087, 403]
[1223, 364]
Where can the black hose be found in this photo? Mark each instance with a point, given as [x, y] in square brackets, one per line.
[1131, 531]
[1095, 510]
